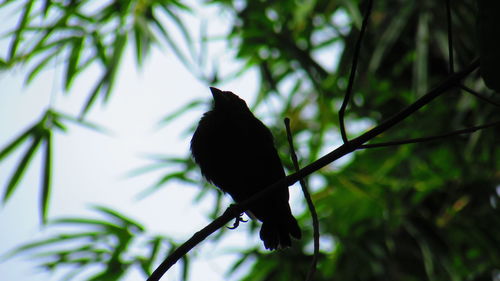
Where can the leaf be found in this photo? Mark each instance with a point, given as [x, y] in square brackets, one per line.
[90, 222]
[101, 50]
[420, 69]
[113, 66]
[193, 104]
[391, 35]
[185, 267]
[92, 97]
[34, 72]
[121, 218]
[73, 60]
[19, 31]
[83, 123]
[177, 51]
[182, 28]
[47, 174]
[47, 242]
[21, 168]
[175, 175]
[15, 143]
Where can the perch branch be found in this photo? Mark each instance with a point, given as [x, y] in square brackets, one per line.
[310, 204]
[346, 148]
[432, 138]
[354, 65]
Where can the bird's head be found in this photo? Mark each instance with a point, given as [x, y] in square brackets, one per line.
[225, 101]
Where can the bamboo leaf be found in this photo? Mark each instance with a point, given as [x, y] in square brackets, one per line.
[15, 143]
[49, 242]
[122, 219]
[101, 50]
[182, 28]
[34, 72]
[73, 60]
[83, 123]
[92, 97]
[20, 29]
[185, 267]
[47, 174]
[21, 168]
[193, 104]
[177, 51]
[113, 66]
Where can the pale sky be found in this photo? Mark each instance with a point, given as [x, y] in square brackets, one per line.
[89, 167]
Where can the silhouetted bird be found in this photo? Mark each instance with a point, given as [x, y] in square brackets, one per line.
[235, 151]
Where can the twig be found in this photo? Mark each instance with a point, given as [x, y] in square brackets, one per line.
[354, 65]
[432, 138]
[310, 204]
[346, 148]
[450, 36]
[476, 94]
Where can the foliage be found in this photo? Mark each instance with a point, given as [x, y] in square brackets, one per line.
[424, 211]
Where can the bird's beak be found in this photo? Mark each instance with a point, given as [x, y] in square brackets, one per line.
[217, 94]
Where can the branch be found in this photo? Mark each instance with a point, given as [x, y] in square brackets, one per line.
[474, 93]
[310, 204]
[236, 209]
[432, 138]
[354, 65]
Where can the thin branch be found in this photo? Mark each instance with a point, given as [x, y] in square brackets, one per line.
[236, 209]
[354, 65]
[450, 36]
[310, 204]
[432, 138]
[476, 94]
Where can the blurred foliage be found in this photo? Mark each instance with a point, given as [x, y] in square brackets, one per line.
[425, 211]
[104, 246]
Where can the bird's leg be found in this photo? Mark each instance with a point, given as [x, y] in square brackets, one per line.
[237, 221]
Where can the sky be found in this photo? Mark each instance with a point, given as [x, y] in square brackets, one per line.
[90, 168]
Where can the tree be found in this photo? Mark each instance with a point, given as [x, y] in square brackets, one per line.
[418, 202]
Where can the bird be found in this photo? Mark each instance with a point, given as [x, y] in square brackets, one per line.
[235, 151]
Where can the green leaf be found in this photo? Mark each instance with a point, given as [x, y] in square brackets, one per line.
[101, 50]
[90, 222]
[182, 28]
[113, 66]
[83, 123]
[185, 267]
[175, 175]
[122, 219]
[48, 242]
[34, 72]
[193, 104]
[92, 97]
[46, 7]
[177, 51]
[21, 168]
[20, 29]
[15, 143]
[47, 174]
[420, 69]
[73, 60]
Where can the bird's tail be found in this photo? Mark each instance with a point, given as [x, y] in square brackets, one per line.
[276, 232]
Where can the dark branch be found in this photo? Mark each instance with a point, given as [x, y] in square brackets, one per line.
[354, 65]
[432, 138]
[310, 204]
[237, 209]
[479, 96]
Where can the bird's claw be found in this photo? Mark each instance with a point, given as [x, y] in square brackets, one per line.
[237, 221]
